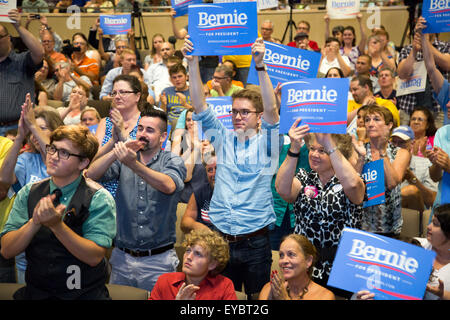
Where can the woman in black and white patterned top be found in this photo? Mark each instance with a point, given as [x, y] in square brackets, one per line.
[327, 199]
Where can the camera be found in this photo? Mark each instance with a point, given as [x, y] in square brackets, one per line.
[68, 48]
[35, 16]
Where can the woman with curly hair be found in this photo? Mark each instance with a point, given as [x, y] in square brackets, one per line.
[207, 254]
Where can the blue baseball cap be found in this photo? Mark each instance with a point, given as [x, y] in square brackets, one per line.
[403, 132]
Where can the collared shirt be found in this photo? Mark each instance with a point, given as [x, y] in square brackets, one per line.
[16, 80]
[107, 85]
[145, 216]
[242, 199]
[159, 78]
[409, 101]
[211, 288]
[100, 226]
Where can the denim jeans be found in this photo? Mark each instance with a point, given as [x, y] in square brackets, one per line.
[250, 263]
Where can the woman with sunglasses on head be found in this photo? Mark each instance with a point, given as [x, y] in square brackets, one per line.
[328, 198]
[123, 118]
[385, 219]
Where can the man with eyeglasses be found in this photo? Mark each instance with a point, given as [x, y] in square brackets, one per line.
[51, 56]
[305, 27]
[65, 224]
[267, 31]
[222, 84]
[16, 72]
[241, 207]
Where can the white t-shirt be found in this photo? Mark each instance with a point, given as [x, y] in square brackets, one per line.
[325, 65]
[443, 273]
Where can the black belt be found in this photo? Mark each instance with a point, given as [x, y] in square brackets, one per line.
[240, 237]
[147, 253]
[8, 123]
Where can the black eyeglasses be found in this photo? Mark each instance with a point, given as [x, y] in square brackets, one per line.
[242, 113]
[120, 92]
[62, 154]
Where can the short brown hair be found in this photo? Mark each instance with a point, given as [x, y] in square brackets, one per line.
[343, 143]
[80, 136]
[384, 112]
[216, 246]
[252, 95]
[177, 68]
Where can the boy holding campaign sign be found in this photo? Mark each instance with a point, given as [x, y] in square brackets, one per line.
[244, 219]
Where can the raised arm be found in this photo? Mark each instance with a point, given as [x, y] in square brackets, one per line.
[30, 41]
[287, 186]
[195, 80]
[268, 95]
[351, 182]
[436, 77]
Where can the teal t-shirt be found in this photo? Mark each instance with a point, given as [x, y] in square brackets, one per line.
[100, 226]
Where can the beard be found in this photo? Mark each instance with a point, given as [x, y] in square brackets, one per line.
[146, 146]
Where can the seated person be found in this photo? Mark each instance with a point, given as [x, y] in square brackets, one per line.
[176, 98]
[221, 83]
[233, 67]
[127, 60]
[90, 118]
[331, 57]
[196, 214]
[65, 251]
[44, 84]
[362, 92]
[297, 258]
[386, 81]
[207, 254]
[304, 26]
[67, 81]
[418, 190]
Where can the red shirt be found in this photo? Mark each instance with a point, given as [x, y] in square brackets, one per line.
[312, 44]
[211, 288]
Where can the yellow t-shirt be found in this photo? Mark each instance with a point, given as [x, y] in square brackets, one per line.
[352, 105]
[239, 61]
[5, 204]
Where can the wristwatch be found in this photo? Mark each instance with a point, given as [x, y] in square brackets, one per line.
[413, 180]
[263, 68]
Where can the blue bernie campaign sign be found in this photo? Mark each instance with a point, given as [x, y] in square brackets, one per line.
[286, 64]
[389, 268]
[169, 128]
[222, 108]
[373, 175]
[181, 6]
[223, 28]
[437, 14]
[445, 191]
[115, 24]
[321, 103]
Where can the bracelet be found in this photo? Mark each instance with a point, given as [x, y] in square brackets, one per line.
[292, 154]
[332, 150]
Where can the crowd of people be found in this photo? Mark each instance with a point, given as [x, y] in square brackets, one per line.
[93, 197]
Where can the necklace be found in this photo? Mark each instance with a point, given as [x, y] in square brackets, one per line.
[305, 290]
